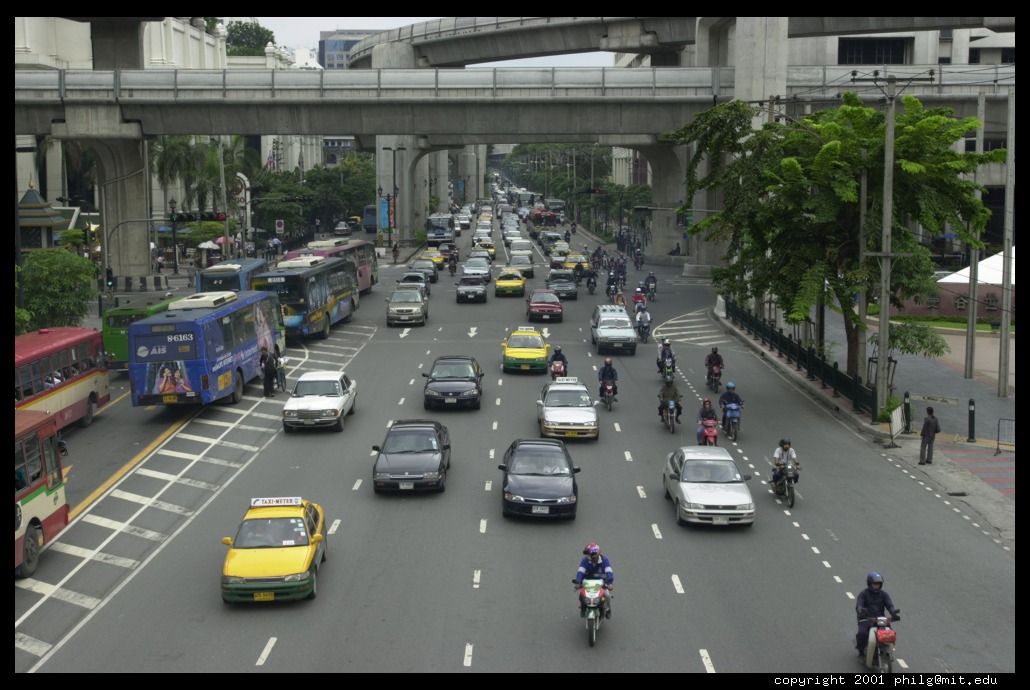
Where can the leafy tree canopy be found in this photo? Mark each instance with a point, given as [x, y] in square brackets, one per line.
[791, 192]
[247, 39]
[58, 286]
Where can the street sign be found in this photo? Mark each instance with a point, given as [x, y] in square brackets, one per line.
[280, 226]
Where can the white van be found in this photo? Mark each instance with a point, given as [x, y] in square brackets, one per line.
[522, 246]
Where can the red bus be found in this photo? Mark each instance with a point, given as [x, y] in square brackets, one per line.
[40, 501]
[361, 252]
[61, 370]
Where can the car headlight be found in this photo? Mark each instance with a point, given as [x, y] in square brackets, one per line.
[433, 394]
[289, 413]
[331, 413]
[509, 496]
[431, 475]
[233, 580]
[746, 506]
[297, 577]
[567, 499]
[469, 393]
[380, 476]
[692, 506]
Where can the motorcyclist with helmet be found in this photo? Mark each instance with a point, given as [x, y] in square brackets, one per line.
[595, 566]
[452, 262]
[650, 282]
[668, 392]
[643, 318]
[713, 359]
[706, 412]
[559, 356]
[781, 456]
[729, 396]
[664, 352]
[872, 602]
[608, 372]
[639, 298]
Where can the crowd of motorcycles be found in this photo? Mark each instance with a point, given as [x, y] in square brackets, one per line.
[593, 594]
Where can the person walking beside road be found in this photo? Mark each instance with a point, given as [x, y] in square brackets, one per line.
[269, 368]
[396, 250]
[931, 427]
[191, 273]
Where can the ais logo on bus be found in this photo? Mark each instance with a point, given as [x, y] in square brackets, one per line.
[144, 352]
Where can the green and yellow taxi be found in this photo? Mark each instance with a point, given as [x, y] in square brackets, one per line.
[573, 260]
[488, 245]
[524, 350]
[434, 255]
[276, 552]
[510, 282]
[560, 249]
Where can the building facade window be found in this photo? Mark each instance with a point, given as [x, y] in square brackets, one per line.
[871, 51]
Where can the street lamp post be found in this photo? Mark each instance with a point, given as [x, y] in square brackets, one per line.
[392, 201]
[175, 241]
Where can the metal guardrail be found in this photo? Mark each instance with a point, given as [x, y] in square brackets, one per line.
[815, 366]
[1006, 436]
[107, 86]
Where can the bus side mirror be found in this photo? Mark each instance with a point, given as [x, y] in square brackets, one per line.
[62, 448]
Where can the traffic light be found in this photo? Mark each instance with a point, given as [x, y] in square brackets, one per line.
[188, 217]
[175, 217]
[212, 216]
[110, 277]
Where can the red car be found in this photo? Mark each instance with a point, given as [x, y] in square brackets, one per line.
[544, 305]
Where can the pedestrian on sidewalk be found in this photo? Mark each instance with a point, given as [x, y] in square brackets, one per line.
[931, 427]
[191, 273]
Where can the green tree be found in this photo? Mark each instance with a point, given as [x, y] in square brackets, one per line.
[791, 215]
[58, 287]
[247, 39]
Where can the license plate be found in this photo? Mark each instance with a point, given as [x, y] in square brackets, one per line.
[405, 318]
[169, 398]
[525, 366]
[508, 292]
[572, 433]
[616, 344]
[720, 521]
[309, 422]
[541, 510]
[407, 486]
[450, 400]
[546, 316]
[264, 596]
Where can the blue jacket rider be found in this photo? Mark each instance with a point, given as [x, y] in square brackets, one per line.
[608, 372]
[596, 567]
[872, 602]
[559, 356]
[729, 396]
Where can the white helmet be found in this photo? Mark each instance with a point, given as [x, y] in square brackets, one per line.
[639, 290]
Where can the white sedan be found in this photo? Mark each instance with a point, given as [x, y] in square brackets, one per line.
[707, 487]
[320, 398]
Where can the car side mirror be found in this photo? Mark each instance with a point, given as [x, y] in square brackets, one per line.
[539, 402]
[376, 449]
[674, 476]
[575, 470]
[315, 538]
[227, 541]
[747, 477]
[502, 468]
[446, 446]
[425, 375]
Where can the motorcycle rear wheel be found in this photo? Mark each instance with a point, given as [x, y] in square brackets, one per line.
[734, 427]
[790, 495]
[608, 403]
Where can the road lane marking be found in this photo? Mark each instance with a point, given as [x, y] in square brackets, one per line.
[657, 532]
[266, 651]
[475, 579]
[676, 584]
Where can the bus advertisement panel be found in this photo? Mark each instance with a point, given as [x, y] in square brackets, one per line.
[61, 370]
[314, 293]
[361, 252]
[231, 274]
[203, 348]
[116, 326]
[40, 501]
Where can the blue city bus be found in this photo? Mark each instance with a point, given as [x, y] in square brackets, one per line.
[370, 218]
[315, 292]
[203, 348]
[231, 274]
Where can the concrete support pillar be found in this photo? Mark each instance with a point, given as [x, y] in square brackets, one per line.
[465, 184]
[117, 43]
[667, 168]
[760, 70]
[438, 178]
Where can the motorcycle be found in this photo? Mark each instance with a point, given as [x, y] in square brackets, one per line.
[784, 486]
[879, 648]
[638, 261]
[668, 368]
[280, 373]
[715, 378]
[612, 291]
[644, 331]
[669, 415]
[608, 393]
[452, 267]
[591, 285]
[557, 369]
[710, 432]
[652, 292]
[732, 420]
[593, 602]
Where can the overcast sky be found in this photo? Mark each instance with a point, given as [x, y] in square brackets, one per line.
[302, 32]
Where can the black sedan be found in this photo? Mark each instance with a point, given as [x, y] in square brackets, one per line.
[454, 381]
[415, 456]
[539, 480]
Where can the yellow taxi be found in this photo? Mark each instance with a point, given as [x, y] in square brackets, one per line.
[435, 255]
[573, 260]
[276, 552]
[524, 350]
[510, 282]
[488, 245]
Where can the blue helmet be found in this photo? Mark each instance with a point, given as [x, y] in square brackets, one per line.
[874, 578]
[730, 385]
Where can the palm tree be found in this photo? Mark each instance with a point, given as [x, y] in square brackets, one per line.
[175, 157]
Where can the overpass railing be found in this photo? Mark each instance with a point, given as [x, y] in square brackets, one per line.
[105, 86]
